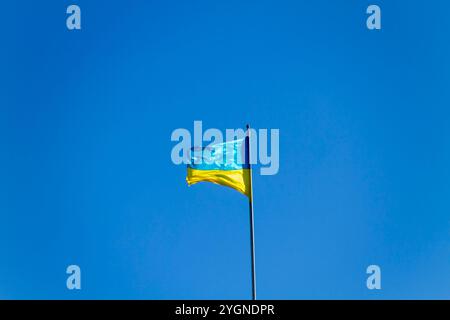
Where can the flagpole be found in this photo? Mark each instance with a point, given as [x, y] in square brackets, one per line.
[250, 205]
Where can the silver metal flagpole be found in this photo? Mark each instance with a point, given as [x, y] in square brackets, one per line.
[250, 205]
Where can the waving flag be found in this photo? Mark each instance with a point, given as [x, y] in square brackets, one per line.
[226, 164]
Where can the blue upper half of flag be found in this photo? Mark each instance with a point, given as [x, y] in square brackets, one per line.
[229, 155]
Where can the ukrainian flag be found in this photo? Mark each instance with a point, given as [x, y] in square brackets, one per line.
[226, 164]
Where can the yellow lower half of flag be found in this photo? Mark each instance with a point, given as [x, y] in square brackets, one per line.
[236, 179]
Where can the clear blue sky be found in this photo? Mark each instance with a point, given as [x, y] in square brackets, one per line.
[86, 176]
